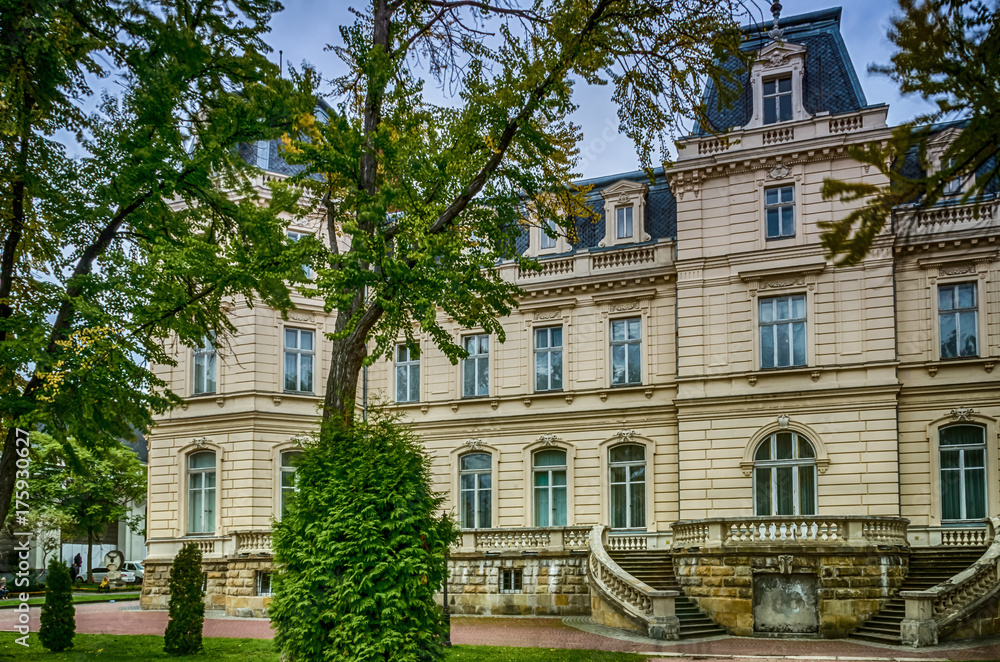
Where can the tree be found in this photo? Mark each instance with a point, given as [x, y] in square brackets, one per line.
[361, 550]
[187, 604]
[421, 201]
[949, 53]
[58, 618]
[153, 224]
[86, 500]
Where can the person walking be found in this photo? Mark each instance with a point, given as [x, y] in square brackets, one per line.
[77, 566]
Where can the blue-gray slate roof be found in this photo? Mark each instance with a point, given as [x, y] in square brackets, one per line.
[830, 82]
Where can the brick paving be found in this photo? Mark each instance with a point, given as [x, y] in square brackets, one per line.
[110, 618]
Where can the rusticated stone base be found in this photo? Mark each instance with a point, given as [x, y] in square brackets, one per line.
[853, 583]
[241, 597]
[603, 613]
[980, 622]
[229, 585]
[155, 586]
[551, 585]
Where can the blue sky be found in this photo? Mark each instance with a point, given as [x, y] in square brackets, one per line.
[305, 27]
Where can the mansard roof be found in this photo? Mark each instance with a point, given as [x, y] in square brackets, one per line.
[830, 83]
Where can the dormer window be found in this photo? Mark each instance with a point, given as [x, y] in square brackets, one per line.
[777, 100]
[548, 241]
[954, 185]
[623, 223]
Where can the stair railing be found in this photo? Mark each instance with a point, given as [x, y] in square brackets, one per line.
[635, 600]
[939, 609]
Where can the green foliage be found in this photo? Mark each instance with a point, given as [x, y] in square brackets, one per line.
[84, 496]
[361, 550]
[949, 53]
[143, 232]
[187, 605]
[58, 619]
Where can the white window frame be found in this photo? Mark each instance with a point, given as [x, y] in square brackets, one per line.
[511, 580]
[630, 517]
[205, 491]
[208, 357]
[411, 369]
[776, 60]
[962, 470]
[776, 98]
[547, 353]
[956, 314]
[477, 489]
[259, 584]
[283, 471]
[775, 323]
[780, 206]
[795, 462]
[550, 488]
[294, 236]
[621, 195]
[545, 241]
[478, 362]
[298, 353]
[629, 344]
[625, 221]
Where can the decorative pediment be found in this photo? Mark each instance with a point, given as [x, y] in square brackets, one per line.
[780, 54]
[624, 190]
[624, 193]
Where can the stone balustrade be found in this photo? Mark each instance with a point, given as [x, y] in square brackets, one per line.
[833, 530]
[935, 611]
[592, 263]
[947, 217]
[640, 603]
[252, 543]
[554, 539]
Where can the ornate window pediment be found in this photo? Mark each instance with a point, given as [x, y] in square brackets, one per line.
[780, 67]
[624, 213]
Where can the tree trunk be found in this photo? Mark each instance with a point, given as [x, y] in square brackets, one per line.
[90, 559]
[347, 357]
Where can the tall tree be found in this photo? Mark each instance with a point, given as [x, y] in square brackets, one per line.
[421, 200]
[948, 53]
[144, 230]
[101, 492]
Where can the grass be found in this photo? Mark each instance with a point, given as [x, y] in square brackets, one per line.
[11, 603]
[140, 648]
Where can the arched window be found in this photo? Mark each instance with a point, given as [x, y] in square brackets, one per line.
[785, 476]
[476, 483]
[550, 488]
[201, 492]
[628, 486]
[289, 462]
[963, 472]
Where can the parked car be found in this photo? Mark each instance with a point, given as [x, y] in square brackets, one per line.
[135, 567]
[128, 577]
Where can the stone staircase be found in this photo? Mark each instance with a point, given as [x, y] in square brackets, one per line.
[928, 568]
[656, 568]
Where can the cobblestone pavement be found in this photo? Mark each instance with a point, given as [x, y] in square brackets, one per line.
[573, 632]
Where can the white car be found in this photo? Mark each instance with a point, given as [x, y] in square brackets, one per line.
[135, 567]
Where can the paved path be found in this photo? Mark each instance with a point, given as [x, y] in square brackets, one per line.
[576, 632]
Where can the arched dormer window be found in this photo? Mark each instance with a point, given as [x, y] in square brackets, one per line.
[201, 492]
[549, 480]
[476, 486]
[627, 463]
[963, 472]
[784, 476]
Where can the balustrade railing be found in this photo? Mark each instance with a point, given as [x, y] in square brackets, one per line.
[947, 217]
[536, 538]
[838, 530]
[629, 596]
[623, 258]
[253, 543]
[934, 611]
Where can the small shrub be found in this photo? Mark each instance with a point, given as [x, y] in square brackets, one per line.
[187, 606]
[360, 550]
[58, 621]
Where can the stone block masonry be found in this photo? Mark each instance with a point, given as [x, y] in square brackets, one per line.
[550, 585]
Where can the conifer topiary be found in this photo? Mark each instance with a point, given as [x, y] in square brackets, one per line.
[187, 606]
[360, 550]
[58, 621]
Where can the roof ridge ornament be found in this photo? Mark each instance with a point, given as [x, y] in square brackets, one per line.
[776, 32]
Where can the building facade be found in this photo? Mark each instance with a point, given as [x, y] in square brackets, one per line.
[688, 383]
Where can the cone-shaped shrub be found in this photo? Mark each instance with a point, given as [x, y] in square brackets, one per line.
[360, 550]
[187, 606]
[58, 613]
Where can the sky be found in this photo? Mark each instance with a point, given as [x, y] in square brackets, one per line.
[305, 27]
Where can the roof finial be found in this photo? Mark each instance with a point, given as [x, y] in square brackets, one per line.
[775, 32]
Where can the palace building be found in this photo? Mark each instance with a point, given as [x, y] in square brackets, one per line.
[697, 424]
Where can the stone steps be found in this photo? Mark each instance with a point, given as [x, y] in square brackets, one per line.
[657, 570]
[928, 568]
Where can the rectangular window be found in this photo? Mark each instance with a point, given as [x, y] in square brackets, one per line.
[476, 368]
[512, 580]
[548, 359]
[547, 241]
[626, 351]
[204, 368]
[778, 100]
[293, 237]
[958, 319]
[783, 331]
[954, 185]
[623, 222]
[263, 583]
[779, 212]
[300, 354]
[407, 375]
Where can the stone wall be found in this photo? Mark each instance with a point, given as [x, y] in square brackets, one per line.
[241, 597]
[551, 585]
[983, 621]
[229, 586]
[853, 583]
[155, 586]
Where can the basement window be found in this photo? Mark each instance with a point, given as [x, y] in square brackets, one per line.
[263, 584]
[511, 581]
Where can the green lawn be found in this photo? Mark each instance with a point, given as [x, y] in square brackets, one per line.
[11, 603]
[139, 648]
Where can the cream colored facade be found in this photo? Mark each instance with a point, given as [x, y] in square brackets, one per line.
[871, 393]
